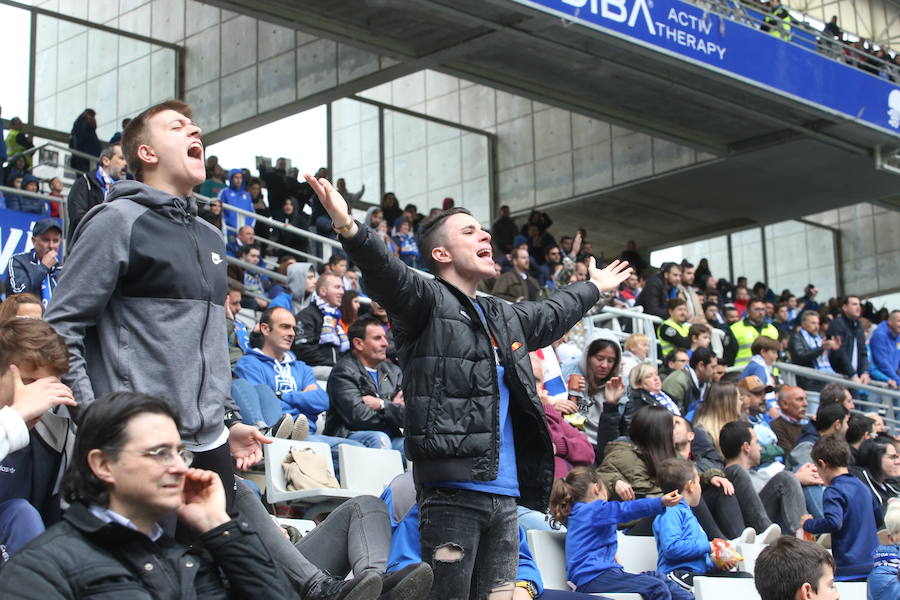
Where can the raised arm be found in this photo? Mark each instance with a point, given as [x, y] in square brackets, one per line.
[401, 291]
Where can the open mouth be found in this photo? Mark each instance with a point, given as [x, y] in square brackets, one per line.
[195, 150]
[485, 253]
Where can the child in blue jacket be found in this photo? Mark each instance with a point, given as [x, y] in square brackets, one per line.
[850, 511]
[579, 500]
[681, 543]
[883, 580]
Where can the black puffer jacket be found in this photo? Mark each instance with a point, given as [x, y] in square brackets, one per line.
[449, 371]
[306, 344]
[348, 383]
[84, 557]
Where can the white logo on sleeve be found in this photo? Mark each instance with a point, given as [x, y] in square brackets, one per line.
[216, 258]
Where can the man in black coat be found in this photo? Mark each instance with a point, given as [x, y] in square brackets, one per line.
[851, 359]
[129, 470]
[365, 399]
[657, 291]
[321, 340]
[474, 424]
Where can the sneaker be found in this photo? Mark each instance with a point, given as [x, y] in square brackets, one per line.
[770, 535]
[409, 583]
[364, 587]
[301, 428]
[284, 427]
[683, 579]
[748, 536]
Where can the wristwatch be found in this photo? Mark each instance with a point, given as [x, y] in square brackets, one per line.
[343, 228]
[529, 587]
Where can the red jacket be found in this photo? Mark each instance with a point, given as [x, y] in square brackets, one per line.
[572, 447]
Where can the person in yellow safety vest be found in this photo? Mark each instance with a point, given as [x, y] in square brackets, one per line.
[778, 21]
[674, 332]
[742, 334]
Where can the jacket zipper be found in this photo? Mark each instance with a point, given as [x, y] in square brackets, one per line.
[187, 225]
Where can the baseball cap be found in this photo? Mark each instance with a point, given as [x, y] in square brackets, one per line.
[45, 225]
[755, 385]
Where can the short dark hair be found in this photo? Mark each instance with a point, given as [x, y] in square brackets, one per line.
[674, 303]
[103, 427]
[701, 355]
[110, 151]
[698, 329]
[858, 427]
[335, 259]
[789, 563]
[733, 437]
[266, 317]
[833, 393]
[828, 415]
[246, 248]
[135, 134]
[668, 266]
[431, 233]
[358, 329]
[845, 300]
[706, 305]
[674, 474]
[833, 450]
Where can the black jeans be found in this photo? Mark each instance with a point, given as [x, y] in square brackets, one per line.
[471, 541]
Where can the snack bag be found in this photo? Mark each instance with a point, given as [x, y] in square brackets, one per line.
[724, 552]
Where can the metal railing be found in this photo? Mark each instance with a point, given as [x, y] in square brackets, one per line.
[640, 323]
[878, 396]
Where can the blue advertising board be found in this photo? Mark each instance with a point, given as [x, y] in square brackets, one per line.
[734, 49]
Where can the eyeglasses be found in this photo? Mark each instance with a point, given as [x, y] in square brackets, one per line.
[165, 456]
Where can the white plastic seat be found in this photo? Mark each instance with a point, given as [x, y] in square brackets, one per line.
[304, 526]
[750, 552]
[368, 470]
[855, 590]
[720, 588]
[637, 553]
[276, 488]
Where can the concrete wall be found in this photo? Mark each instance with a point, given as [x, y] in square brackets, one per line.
[544, 154]
[236, 67]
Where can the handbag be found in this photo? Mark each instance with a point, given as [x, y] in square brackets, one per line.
[306, 470]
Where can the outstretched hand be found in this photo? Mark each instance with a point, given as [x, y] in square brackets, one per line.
[245, 443]
[608, 278]
[332, 201]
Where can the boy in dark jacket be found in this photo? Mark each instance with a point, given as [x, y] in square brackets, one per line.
[474, 425]
[851, 512]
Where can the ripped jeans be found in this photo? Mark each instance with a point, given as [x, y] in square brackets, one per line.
[471, 541]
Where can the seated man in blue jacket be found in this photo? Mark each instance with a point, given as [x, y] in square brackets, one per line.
[885, 347]
[291, 380]
[36, 271]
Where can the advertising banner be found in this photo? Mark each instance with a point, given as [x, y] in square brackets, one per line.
[687, 32]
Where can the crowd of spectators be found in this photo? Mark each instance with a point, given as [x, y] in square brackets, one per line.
[710, 455]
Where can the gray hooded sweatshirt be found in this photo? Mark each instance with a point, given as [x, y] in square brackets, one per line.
[141, 307]
[592, 406]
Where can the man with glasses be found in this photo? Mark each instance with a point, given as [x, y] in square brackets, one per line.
[130, 470]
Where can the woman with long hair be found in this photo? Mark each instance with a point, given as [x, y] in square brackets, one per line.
[722, 405]
[595, 388]
[349, 309]
[629, 467]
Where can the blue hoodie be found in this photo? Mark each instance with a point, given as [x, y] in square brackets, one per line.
[239, 197]
[27, 204]
[681, 541]
[885, 348]
[883, 582]
[851, 513]
[591, 542]
[289, 378]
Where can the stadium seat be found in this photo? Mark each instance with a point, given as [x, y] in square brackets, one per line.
[368, 470]
[549, 551]
[321, 500]
[852, 590]
[637, 553]
[750, 552]
[719, 588]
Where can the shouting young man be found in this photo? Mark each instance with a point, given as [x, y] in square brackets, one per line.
[474, 423]
[142, 304]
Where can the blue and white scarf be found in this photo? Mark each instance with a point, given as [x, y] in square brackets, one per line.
[49, 282]
[815, 341]
[664, 400]
[332, 332]
[104, 180]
